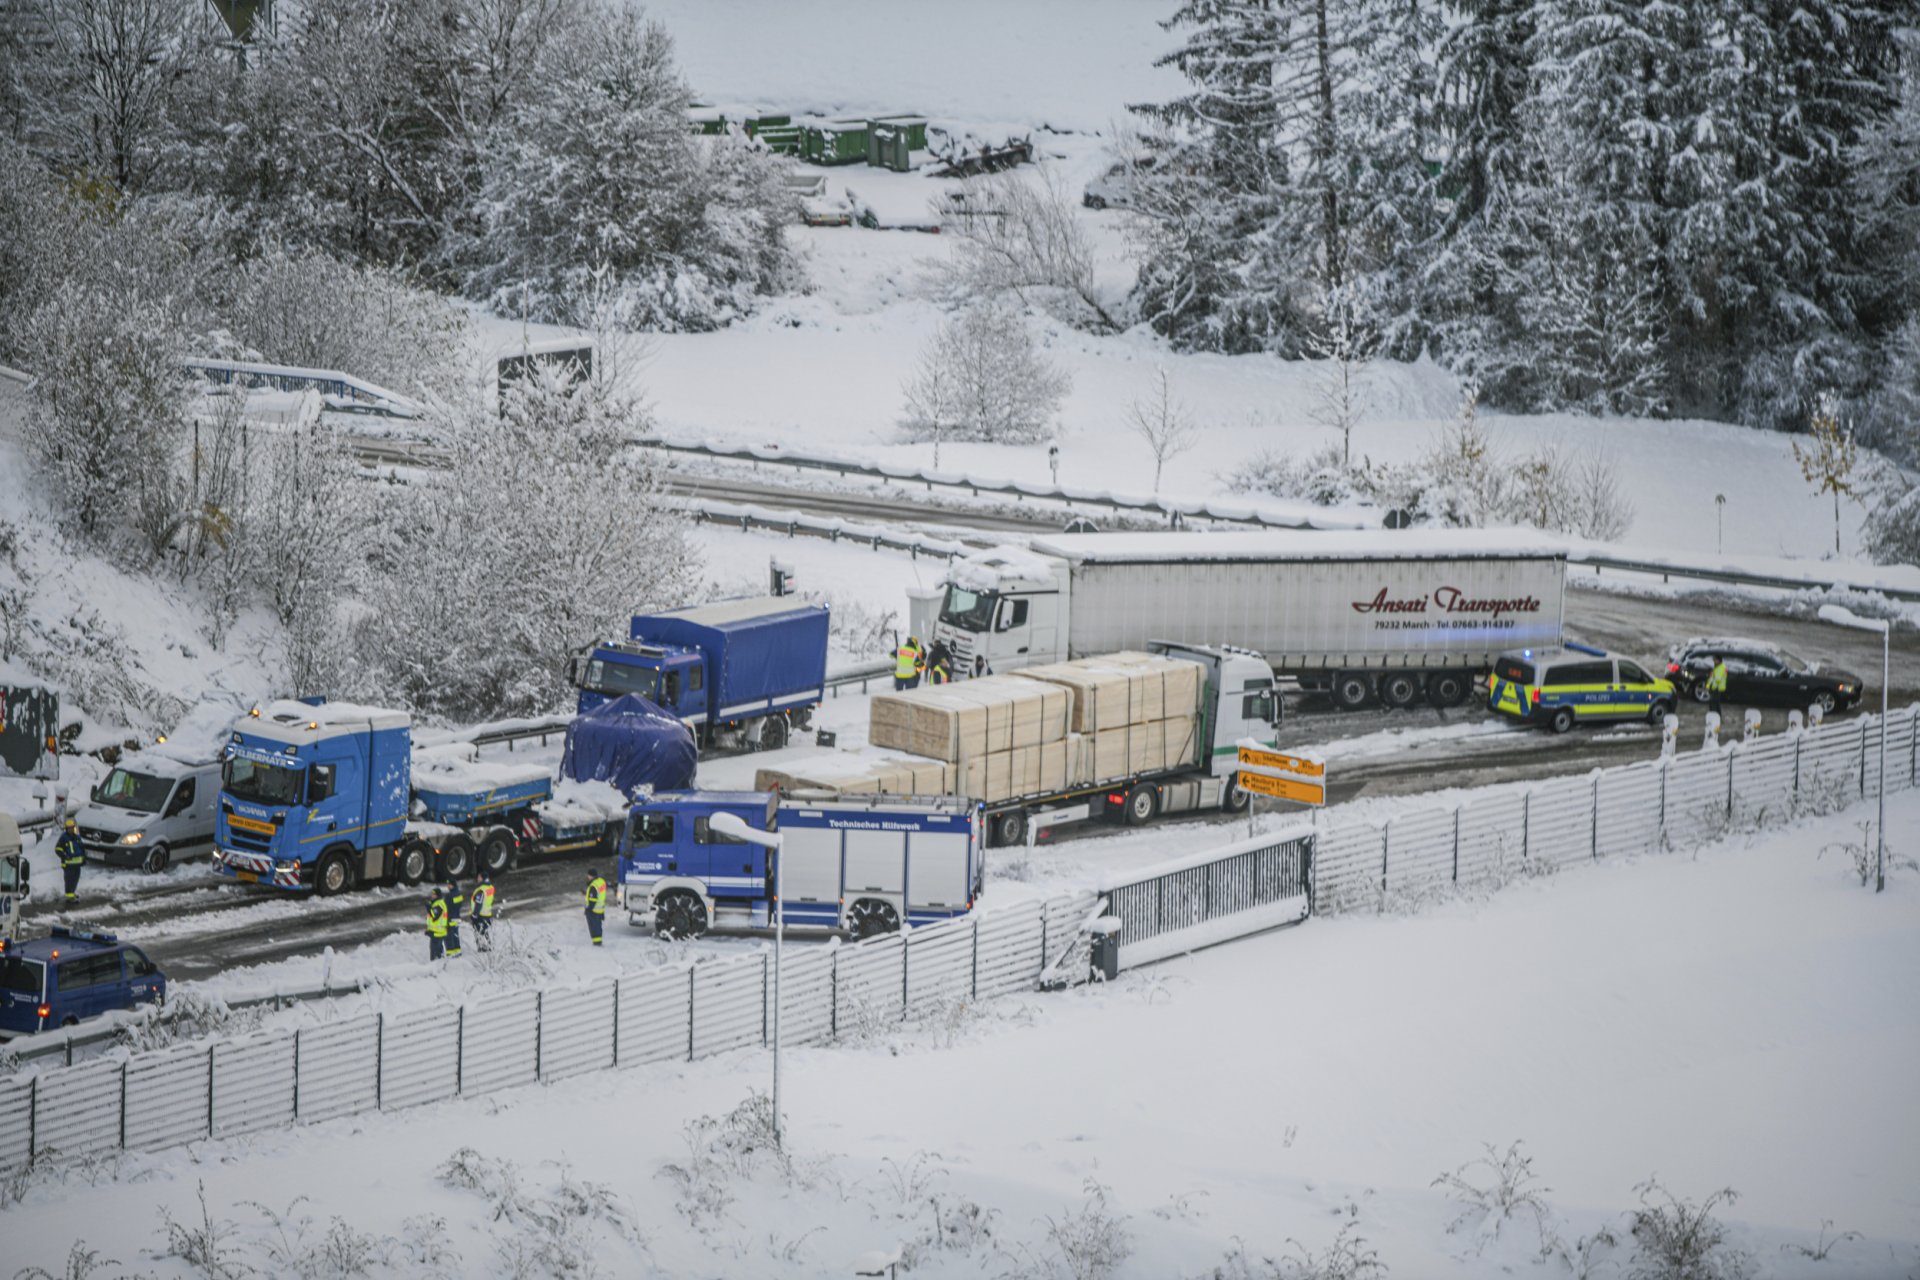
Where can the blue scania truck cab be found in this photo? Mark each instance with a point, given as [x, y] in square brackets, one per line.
[744, 674]
[860, 864]
[326, 796]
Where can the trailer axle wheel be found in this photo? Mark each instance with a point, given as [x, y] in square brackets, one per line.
[456, 857]
[1352, 690]
[498, 851]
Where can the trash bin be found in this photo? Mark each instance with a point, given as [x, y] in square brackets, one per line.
[1104, 945]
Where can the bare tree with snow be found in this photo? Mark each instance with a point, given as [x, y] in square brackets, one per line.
[1001, 388]
[107, 397]
[1345, 342]
[1019, 234]
[1828, 458]
[1163, 422]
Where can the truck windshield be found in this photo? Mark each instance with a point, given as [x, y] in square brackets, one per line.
[125, 789]
[9, 874]
[21, 976]
[616, 678]
[262, 783]
[968, 610]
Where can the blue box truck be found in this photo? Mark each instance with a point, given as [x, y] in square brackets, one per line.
[858, 864]
[324, 797]
[745, 674]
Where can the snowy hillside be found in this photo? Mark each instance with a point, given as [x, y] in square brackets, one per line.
[1729, 1019]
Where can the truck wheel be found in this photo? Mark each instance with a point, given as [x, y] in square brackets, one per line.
[156, 860]
[1352, 690]
[456, 856]
[1142, 803]
[679, 915]
[1399, 689]
[1236, 797]
[1009, 829]
[871, 918]
[498, 851]
[335, 874]
[1447, 688]
[415, 857]
[773, 733]
[1562, 720]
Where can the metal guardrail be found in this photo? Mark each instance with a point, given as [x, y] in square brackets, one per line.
[389, 1061]
[1815, 582]
[1225, 513]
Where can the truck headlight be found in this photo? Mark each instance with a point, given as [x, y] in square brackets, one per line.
[132, 837]
[287, 864]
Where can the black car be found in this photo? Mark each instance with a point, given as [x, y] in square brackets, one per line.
[1760, 675]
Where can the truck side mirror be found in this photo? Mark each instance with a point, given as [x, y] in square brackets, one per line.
[26, 876]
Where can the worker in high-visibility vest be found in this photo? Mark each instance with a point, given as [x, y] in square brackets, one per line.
[455, 900]
[72, 855]
[485, 900]
[596, 904]
[436, 925]
[908, 660]
[1717, 684]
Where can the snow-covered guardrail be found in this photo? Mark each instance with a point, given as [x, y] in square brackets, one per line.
[1269, 515]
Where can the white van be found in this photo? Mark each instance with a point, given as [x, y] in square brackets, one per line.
[152, 810]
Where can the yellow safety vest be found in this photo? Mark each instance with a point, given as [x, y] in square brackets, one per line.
[437, 918]
[1717, 682]
[906, 660]
[597, 896]
[483, 901]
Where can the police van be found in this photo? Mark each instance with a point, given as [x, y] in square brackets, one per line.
[72, 975]
[1574, 684]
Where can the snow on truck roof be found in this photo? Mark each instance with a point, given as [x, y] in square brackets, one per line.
[1353, 544]
[298, 722]
[721, 612]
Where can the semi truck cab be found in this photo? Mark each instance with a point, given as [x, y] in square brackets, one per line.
[310, 787]
[671, 677]
[1007, 606]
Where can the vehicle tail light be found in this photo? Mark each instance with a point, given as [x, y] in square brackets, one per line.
[1673, 668]
[1116, 798]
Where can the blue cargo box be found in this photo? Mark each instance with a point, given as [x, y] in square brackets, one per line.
[454, 801]
[762, 653]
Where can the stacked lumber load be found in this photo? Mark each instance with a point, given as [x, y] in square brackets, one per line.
[861, 773]
[1048, 728]
[974, 718]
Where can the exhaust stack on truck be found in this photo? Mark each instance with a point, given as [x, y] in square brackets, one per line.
[1360, 615]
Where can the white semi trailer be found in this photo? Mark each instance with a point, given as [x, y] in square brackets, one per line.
[1393, 615]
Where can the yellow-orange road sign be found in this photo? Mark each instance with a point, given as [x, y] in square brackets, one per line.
[1295, 789]
[1282, 761]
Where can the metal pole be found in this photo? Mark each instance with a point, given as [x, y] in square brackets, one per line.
[1886, 666]
[779, 932]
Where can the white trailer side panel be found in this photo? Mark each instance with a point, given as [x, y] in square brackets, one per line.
[1306, 614]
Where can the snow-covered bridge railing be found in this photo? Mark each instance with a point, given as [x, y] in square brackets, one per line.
[388, 1061]
[1650, 807]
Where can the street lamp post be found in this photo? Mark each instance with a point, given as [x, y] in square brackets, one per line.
[1719, 523]
[1842, 617]
[730, 824]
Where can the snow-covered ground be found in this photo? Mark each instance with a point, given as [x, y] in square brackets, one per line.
[1742, 1017]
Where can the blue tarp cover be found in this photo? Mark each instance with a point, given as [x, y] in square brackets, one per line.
[630, 743]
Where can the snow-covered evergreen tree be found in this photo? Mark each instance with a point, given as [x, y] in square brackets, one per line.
[597, 179]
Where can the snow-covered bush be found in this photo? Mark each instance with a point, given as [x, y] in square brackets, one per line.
[982, 377]
[303, 307]
[595, 182]
[1018, 235]
[546, 532]
[302, 540]
[1090, 1242]
[1676, 1239]
[1892, 529]
[108, 398]
[1494, 1187]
